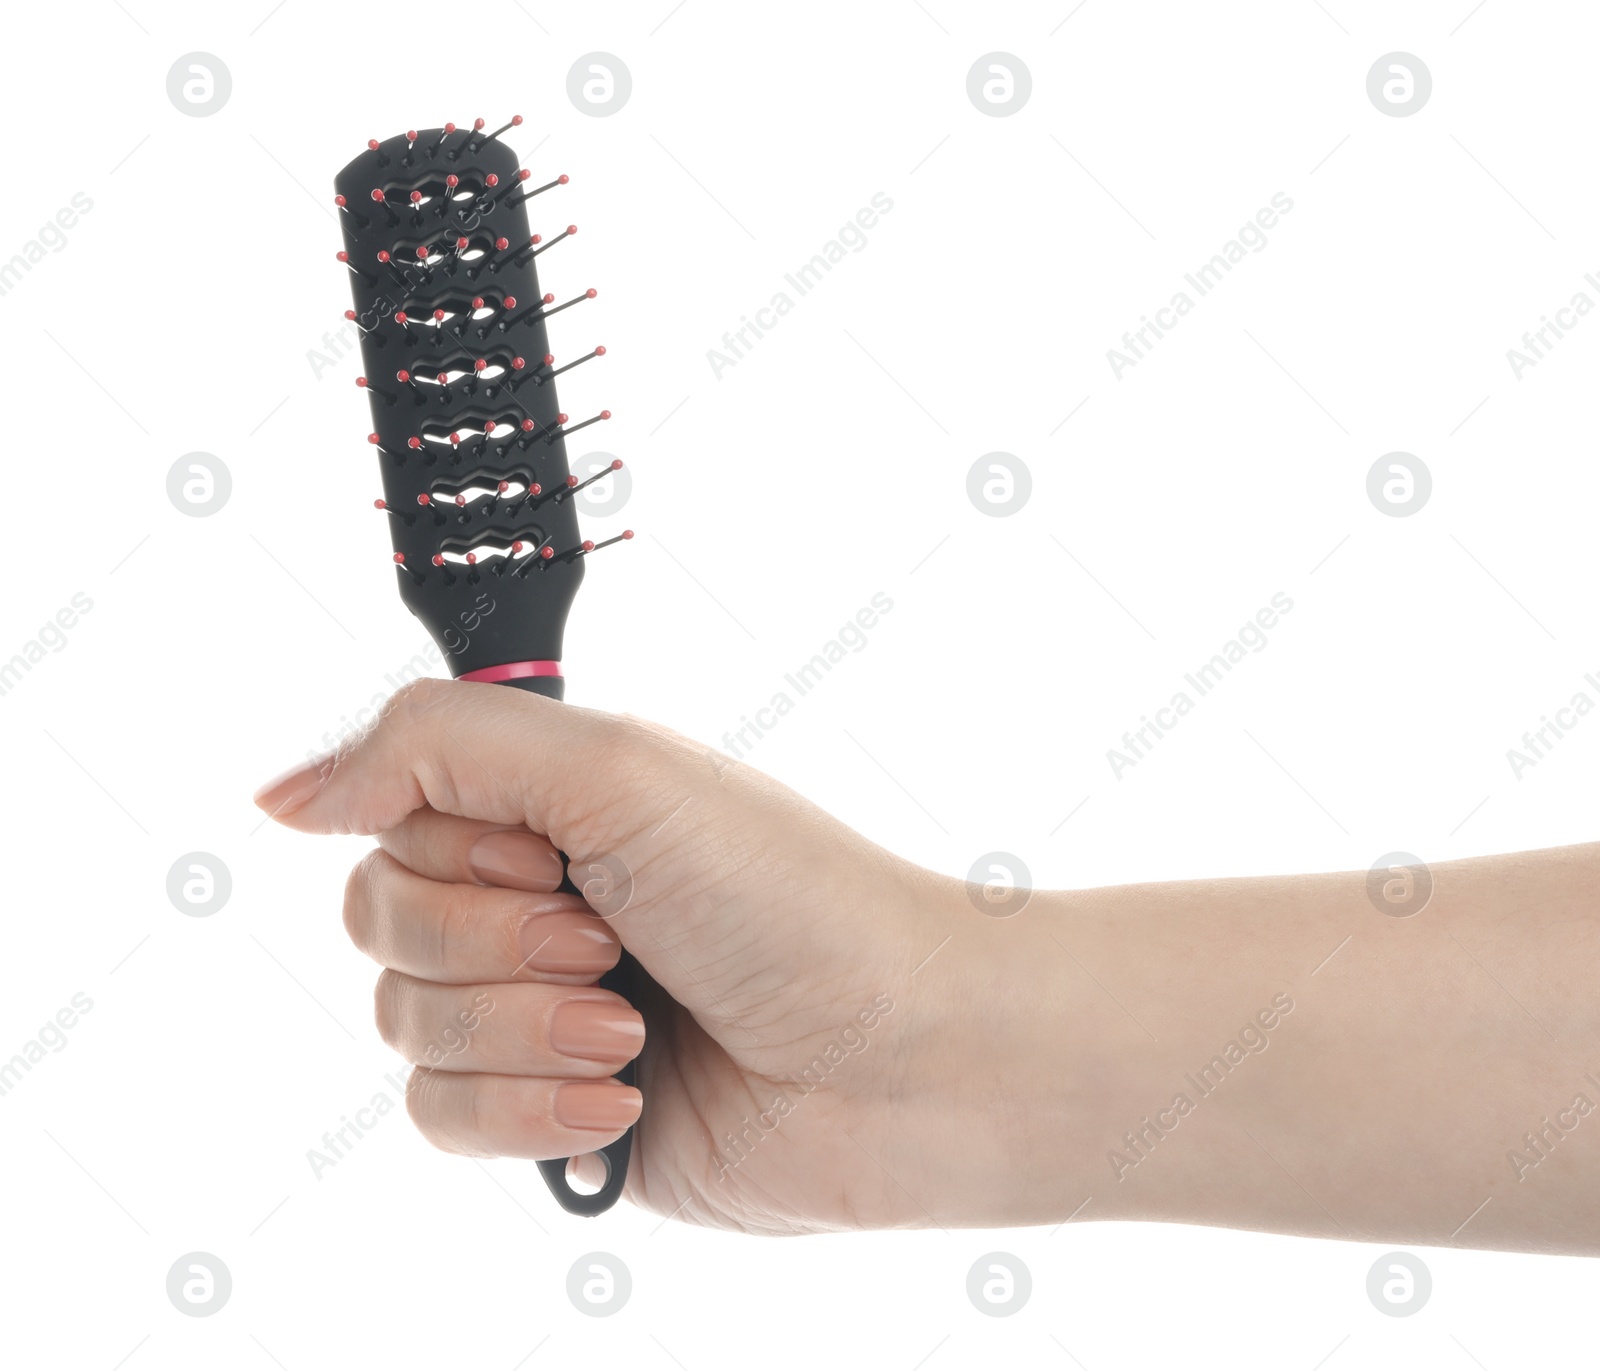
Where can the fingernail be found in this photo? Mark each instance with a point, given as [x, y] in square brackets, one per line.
[286, 793]
[597, 1031]
[597, 1104]
[558, 943]
[517, 861]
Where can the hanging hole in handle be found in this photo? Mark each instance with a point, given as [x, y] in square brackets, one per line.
[589, 1174]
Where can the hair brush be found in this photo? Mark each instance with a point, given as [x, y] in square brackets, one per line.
[467, 427]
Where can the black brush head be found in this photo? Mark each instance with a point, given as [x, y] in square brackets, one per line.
[470, 435]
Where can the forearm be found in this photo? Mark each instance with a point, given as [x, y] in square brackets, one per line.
[1277, 1054]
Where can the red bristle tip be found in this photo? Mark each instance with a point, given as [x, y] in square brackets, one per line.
[438, 559]
[477, 124]
[501, 244]
[452, 180]
[627, 533]
[480, 364]
[510, 302]
[350, 314]
[461, 500]
[524, 174]
[379, 504]
[549, 359]
[472, 559]
[401, 317]
[616, 465]
[571, 481]
[504, 486]
[588, 545]
[561, 418]
[383, 255]
[378, 196]
[422, 252]
[462, 244]
[600, 351]
[444, 380]
[411, 134]
[361, 381]
[535, 489]
[339, 200]
[399, 559]
[535, 240]
[562, 179]
[449, 128]
[549, 299]
[591, 292]
[547, 553]
[490, 426]
[518, 545]
[424, 499]
[344, 257]
[572, 228]
[516, 121]
[517, 364]
[372, 144]
[491, 180]
[414, 443]
[416, 197]
[438, 316]
[403, 376]
[528, 425]
[374, 439]
[477, 302]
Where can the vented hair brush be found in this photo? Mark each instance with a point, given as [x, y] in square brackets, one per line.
[467, 427]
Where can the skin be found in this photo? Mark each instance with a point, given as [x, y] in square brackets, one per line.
[836, 1039]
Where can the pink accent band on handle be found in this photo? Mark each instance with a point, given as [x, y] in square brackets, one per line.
[512, 671]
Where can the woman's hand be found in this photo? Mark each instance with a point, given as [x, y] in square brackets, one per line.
[819, 1037]
[838, 1039]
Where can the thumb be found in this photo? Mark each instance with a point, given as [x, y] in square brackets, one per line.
[460, 747]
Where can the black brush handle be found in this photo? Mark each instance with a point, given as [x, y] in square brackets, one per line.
[622, 979]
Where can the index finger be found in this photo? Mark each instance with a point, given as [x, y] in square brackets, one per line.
[445, 847]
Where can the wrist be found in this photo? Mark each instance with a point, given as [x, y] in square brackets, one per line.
[994, 1083]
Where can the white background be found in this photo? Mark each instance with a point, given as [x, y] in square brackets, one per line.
[771, 505]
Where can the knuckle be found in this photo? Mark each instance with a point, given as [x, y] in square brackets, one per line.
[477, 1110]
[441, 1108]
[531, 1118]
[630, 734]
[504, 938]
[449, 1111]
[631, 755]
[386, 1010]
[415, 698]
[402, 841]
[422, 1101]
[457, 925]
[418, 1092]
[359, 900]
